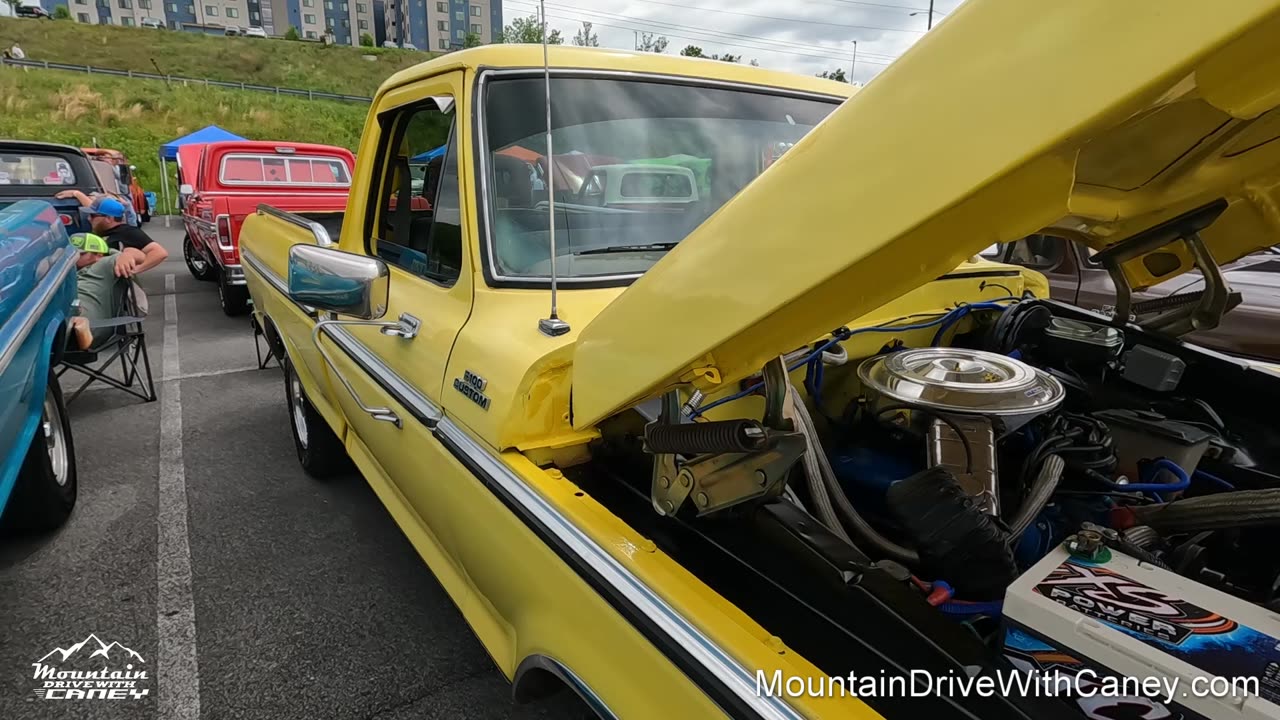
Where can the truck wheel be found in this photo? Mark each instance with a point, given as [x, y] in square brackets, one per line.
[233, 298]
[45, 491]
[199, 267]
[320, 452]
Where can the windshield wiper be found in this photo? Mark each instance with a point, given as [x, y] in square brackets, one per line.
[627, 248]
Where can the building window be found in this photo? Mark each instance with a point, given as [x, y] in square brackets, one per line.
[442, 7]
[211, 10]
[346, 23]
[126, 21]
[311, 35]
[328, 20]
[442, 25]
[81, 2]
[104, 19]
[361, 7]
[328, 5]
[233, 12]
[254, 16]
[362, 24]
[309, 19]
[104, 3]
[308, 3]
[459, 15]
[475, 11]
[126, 4]
[191, 8]
[173, 7]
[461, 35]
[82, 17]
[444, 44]
[144, 4]
[344, 7]
[476, 29]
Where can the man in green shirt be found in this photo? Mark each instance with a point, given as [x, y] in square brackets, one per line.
[97, 272]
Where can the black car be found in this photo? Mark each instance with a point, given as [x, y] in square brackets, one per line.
[39, 171]
[33, 11]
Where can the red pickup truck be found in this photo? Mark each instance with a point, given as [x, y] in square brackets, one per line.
[221, 183]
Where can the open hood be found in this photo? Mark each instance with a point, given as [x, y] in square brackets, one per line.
[1104, 117]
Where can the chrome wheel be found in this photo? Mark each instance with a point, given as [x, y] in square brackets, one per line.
[55, 442]
[297, 404]
[199, 265]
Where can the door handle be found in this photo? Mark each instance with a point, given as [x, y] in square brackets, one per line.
[406, 328]
[383, 414]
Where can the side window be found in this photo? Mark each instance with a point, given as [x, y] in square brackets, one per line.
[1039, 252]
[418, 226]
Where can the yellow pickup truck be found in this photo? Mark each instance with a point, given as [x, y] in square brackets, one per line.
[753, 434]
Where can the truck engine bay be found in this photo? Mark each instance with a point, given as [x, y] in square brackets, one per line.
[879, 513]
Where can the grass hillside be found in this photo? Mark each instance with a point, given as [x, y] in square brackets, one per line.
[138, 116]
[280, 63]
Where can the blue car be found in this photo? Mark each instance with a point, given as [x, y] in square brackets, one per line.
[37, 292]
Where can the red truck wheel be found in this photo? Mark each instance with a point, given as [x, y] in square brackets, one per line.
[201, 269]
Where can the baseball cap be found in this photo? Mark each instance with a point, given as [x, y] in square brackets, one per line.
[108, 207]
[88, 242]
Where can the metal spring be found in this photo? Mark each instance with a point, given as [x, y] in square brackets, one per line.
[722, 436]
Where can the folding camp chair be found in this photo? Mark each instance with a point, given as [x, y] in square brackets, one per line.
[126, 343]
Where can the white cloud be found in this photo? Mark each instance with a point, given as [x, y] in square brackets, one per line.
[808, 37]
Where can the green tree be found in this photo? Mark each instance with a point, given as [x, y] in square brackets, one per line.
[692, 51]
[755, 62]
[837, 75]
[585, 37]
[366, 40]
[728, 58]
[528, 30]
[292, 34]
[648, 42]
[61, 12]
[472, 40]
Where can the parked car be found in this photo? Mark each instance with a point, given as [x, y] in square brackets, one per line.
[677, 458]
[232, 30]
[32, 11]
[225, 182]
[37, 291]
[152, 23]
[255, 32]
[35, 170]
[1075, 277]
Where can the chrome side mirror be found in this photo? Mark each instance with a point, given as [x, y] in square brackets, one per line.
[185, 189]
[339, 282]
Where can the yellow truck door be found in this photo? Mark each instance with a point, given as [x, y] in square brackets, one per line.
[412, 220]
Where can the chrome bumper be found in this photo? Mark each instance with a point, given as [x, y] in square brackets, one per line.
[234, 274]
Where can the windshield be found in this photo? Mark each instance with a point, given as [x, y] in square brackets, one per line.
[29, 173]
[638, 165]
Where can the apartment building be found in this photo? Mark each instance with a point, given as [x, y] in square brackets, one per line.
[434, 25]
[440, 25]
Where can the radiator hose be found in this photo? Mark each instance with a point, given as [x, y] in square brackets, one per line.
[1240, 509]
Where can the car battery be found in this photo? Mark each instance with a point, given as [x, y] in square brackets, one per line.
[1202, 653]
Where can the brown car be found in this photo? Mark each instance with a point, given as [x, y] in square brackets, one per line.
[1248, 330]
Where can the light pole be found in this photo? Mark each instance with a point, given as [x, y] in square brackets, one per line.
[853, 67]
[930, 13]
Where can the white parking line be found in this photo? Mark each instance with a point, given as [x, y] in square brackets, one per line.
[177, 672]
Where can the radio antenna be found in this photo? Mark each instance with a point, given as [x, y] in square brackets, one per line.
[551, 326]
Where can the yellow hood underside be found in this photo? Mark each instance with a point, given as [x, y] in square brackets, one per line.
[1098, 116]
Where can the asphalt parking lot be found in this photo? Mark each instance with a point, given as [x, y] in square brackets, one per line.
[249, 589]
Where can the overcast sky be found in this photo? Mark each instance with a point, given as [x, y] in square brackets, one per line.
[804, 36]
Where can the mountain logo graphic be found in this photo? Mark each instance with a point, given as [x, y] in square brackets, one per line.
[96, 648]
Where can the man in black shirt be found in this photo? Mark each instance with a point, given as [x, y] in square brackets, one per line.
[106, 217]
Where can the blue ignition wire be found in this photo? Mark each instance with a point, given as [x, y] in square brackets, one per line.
[961, 607]
[842, 335]
[958, 314]
[1165, 464]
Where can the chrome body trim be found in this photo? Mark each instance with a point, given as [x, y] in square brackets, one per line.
[736, 678]
[419, 405]
[274, 280]
[48, 285]
[317, 230]
[482, 144]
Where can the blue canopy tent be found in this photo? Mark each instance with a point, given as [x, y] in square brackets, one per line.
[169, 151]
[428, 156]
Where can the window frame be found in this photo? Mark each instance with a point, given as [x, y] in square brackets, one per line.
[391, 133]
[288, 171]
[481, 179]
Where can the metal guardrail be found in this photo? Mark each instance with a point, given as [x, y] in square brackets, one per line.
[206, 82]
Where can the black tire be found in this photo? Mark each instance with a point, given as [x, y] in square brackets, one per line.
[200, 268]
[233, 298]
[45, 491]
[146, 217]
[320, 452]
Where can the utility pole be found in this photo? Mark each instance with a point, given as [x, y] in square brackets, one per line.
[853, 67]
